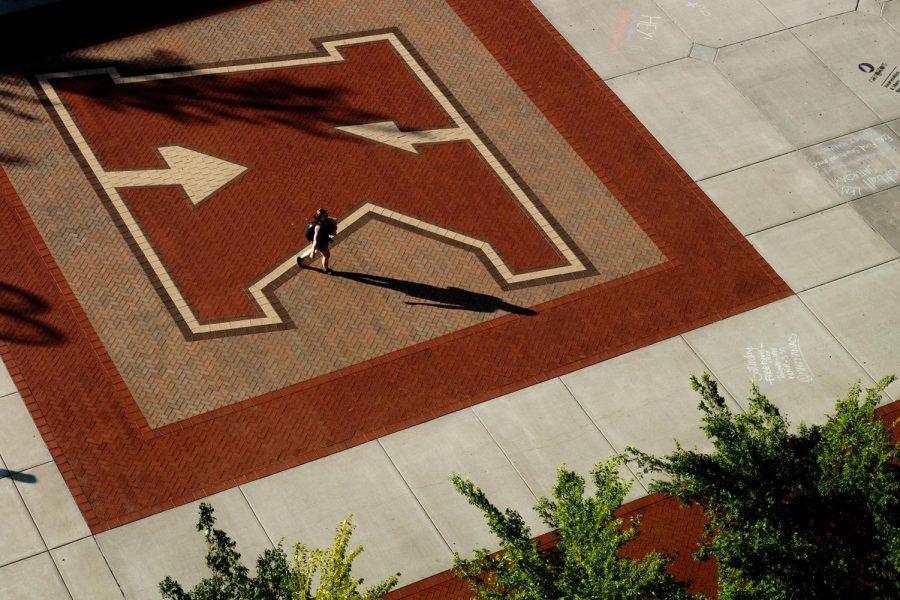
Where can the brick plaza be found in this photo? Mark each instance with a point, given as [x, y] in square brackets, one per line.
[505, 221]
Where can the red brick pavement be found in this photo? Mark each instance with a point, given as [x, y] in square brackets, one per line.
[277, 119]
[119, 469]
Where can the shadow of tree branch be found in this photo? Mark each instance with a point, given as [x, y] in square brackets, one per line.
[18, 476]
[272, 98]
[20, 320]
[54, 28]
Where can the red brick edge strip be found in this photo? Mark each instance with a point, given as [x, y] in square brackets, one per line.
[665, 527]
[120, 470]
[21, 240]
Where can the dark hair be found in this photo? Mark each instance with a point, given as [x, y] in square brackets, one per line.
[319, 216]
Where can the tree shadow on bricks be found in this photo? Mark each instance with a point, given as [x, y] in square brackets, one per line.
[20, 318]
[265, 99]
[275, 98]
[48, 40]
[449, 298]
[47, 29]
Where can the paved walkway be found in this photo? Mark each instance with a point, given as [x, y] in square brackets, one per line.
[526, 276]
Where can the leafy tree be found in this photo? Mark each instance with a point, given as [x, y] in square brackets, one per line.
[276, 579]
[333, 566]
[586, 561]
[230, 578]
[811, 514]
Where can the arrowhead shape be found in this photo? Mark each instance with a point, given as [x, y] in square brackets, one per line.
[383, 132]
[201, 175]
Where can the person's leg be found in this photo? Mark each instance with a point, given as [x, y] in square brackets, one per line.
[326, 254]
[310, 255]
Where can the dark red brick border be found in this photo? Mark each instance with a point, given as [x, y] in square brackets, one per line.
[119, 470]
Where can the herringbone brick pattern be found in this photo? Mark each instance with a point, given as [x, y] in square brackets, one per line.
[172, 378]
[143, 420]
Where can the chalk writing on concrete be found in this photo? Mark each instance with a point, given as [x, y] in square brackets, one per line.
[647, 26]
[631, 25]
[891, 81]
[859, 164]
[768, 364]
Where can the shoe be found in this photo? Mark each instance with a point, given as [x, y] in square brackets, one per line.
[329, 272]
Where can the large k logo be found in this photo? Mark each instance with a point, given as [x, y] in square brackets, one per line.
[211, 172]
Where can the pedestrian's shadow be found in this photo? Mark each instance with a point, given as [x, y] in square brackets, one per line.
[450, 298]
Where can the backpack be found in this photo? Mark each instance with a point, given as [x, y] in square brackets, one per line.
[330, 227]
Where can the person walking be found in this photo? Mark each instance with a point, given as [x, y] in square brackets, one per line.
[320, 231]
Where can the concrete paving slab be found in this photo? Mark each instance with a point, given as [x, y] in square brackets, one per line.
[822, 247]
[699, 117]
[858, 164]
[85, 572]
[427, 454]
[540, 428]
[791, 86]
[19, 537]
[771, 192]
[648, 411]
[6, 383]
[718, 23]
[871, 7]
[35, 578]
[143, 553]
[20, 443]
[617, 36]
[863, 314]
[786, 351]
[798, 12]
[306, 504]
[886, 9]
[882, 212]
[51, 505]
[849, 44]
[704, 53]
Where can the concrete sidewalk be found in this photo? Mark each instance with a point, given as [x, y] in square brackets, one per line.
[770, 106]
